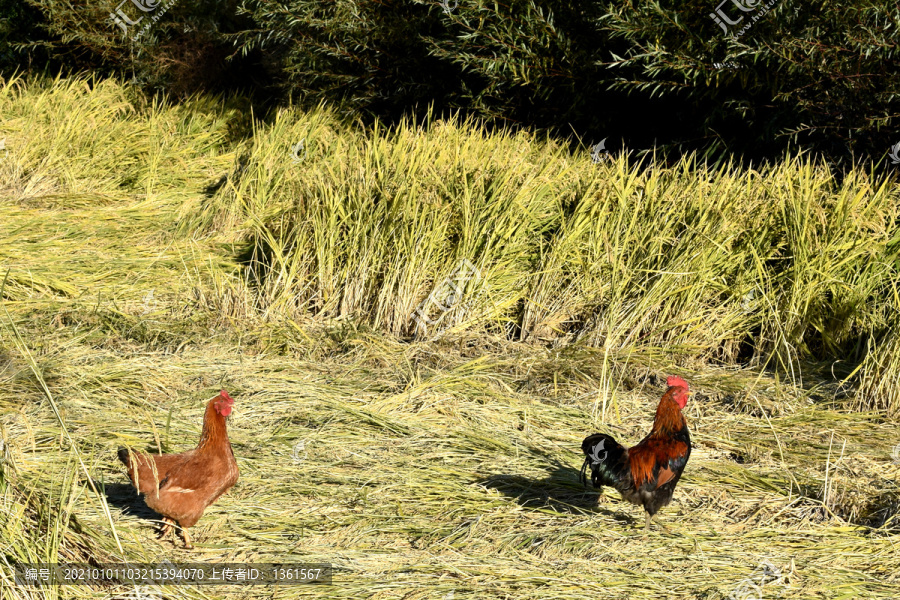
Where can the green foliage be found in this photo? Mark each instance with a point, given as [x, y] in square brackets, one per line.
[517, 62]
[367, 54]
[19, 24]
[175, 46]
[822, 76]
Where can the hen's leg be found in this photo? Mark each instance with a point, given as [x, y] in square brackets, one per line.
[647, 522]
[187, 539]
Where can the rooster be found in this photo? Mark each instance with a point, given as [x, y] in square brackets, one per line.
[180, 486]
[645, 474]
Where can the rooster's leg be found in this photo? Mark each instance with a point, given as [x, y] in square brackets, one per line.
[658, 522]
[187, 539]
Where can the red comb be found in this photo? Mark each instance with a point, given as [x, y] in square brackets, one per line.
[225, 395]
[676, 381]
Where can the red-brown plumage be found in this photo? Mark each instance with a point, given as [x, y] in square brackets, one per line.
[181, 486]
[647, 473]
[659, 447]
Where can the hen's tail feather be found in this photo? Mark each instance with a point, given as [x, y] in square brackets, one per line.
[140, 470]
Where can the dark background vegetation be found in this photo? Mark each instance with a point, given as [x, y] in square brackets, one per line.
[817, 76]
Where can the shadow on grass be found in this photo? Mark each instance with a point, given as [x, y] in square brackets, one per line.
[124, 497]
[561, 491]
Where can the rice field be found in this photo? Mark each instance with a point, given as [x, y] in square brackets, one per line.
[152, 254]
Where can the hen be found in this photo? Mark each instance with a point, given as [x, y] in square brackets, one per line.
[645, 474]
[180, 486]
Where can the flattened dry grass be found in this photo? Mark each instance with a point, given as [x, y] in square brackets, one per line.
[417, 468]
[417, 477]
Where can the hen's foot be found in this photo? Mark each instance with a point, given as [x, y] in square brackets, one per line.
[166, 527]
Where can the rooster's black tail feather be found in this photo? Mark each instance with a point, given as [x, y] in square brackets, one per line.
[607, 459]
